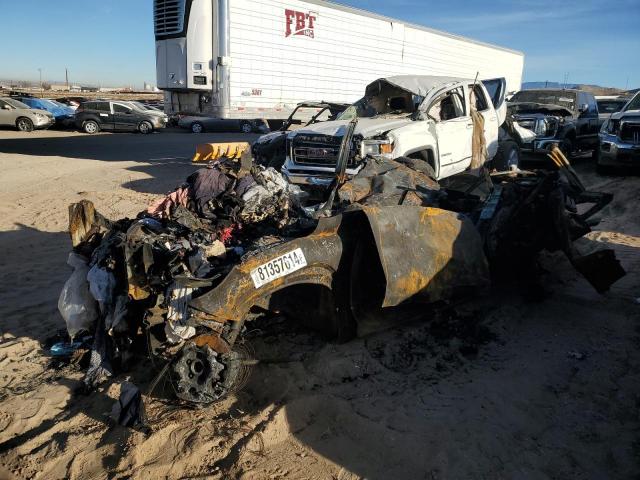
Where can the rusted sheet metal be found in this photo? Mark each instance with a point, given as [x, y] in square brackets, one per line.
[426, 252]
[232, 299]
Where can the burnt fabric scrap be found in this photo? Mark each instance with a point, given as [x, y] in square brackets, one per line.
[129, 410]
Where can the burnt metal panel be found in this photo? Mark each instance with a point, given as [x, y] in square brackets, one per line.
[426, 252]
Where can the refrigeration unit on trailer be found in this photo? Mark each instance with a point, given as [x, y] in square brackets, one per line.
[243, 59]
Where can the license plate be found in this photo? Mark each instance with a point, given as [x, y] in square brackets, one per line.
[278, 267]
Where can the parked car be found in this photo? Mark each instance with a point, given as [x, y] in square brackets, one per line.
[63, 114]
[416, 116]
[620, 138]
[200, 124]
[608, 105]
[14, 113]
[270, 149]
[72, 102]
[91, 117]
[568, 118]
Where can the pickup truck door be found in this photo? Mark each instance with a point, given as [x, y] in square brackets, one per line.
[497, 90]
[492, 121]
[453, 128]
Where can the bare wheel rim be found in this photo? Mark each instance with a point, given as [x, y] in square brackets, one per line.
[24, 125]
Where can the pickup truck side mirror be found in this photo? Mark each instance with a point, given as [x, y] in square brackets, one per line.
[583, 108]
[6, 107]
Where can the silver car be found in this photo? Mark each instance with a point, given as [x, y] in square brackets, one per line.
[16, 114]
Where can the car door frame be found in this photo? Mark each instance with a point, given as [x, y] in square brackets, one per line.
[491, 119]
[7, 116]
[454, 156]
[124, 121]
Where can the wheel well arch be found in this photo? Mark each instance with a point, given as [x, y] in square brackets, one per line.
[424, 153]
[23, 116]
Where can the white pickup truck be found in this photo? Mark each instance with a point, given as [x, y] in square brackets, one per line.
[416, 116]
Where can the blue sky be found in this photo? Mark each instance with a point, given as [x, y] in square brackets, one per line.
[110, 42]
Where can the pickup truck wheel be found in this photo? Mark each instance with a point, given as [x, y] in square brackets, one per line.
[245, 127]
[600, 169]
[197, 127]
[90, 127]
[566, 146]
[24, 124]
[145, 127]
[508, 154]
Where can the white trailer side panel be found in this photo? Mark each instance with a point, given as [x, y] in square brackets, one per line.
[338, 52]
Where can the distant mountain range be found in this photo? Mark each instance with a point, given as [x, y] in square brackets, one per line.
[595, 89]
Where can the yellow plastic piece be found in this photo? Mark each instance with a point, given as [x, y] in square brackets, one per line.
[210, 152]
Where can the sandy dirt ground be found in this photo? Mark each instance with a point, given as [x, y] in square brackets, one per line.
[508, 390]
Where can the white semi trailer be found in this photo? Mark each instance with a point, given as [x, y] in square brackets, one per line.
[244, 59]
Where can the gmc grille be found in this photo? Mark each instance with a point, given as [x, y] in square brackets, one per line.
[630, 132]
[168, 17]
[320, 150]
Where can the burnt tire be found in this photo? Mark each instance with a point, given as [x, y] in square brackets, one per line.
[145, 127]
[508, 154]
[90, 127]
[24, 124]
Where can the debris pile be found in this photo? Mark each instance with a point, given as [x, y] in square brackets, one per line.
[186, 241]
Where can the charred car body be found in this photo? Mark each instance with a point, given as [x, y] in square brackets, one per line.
[234, 243]
[620, 137]
[270, 149]
[567, 118]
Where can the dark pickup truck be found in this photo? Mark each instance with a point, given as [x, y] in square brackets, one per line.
[568, 118]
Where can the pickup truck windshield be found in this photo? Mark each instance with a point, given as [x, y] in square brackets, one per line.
[549, 97]
[634, 104]
[402, 104]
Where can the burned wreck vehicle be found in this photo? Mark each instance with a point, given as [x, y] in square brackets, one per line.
[270, 149]
[236, 242]
[566, 118]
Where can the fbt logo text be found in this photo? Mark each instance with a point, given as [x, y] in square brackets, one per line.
[304, 23]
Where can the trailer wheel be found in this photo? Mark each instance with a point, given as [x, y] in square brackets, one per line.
[245, 127]
[197, 127]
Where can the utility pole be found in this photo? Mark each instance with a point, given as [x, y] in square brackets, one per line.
[40, 72]
[66, 77]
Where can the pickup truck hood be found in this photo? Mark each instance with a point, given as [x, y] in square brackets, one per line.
[543, 108]
[367, 127]
[628, 115]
